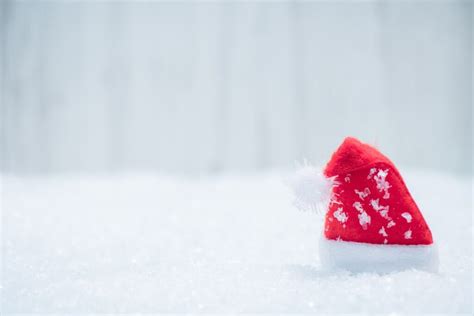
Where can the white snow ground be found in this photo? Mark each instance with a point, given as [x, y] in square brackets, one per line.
[150, 243]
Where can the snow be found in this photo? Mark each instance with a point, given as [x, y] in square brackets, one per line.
[340, 215]
[364, 219]
[382, 184]
[224, 243]
[362, 194]
[407, 216]
[383, 209]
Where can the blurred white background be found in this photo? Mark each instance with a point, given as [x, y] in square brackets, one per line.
[194, 87]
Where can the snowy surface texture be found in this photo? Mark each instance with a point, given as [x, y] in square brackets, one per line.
[150, 243]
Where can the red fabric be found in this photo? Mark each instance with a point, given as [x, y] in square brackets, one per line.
[371, 203]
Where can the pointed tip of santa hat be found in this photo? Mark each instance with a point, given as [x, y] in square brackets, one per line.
[353, 154]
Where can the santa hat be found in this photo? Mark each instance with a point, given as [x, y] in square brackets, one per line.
[372, 222]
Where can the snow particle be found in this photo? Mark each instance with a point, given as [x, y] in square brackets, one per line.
[362, 194]
[371, 173]
[383, 232]
[347, 179]
[407, 234]
[385, 241]
[390, 224]
[375, 205]
[407, 216]
[358, 207]
[384, 213]
[382, 209]
[340, 215]
[382, 183]
[364, 219]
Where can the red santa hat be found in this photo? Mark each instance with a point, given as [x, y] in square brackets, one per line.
[372, 223]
